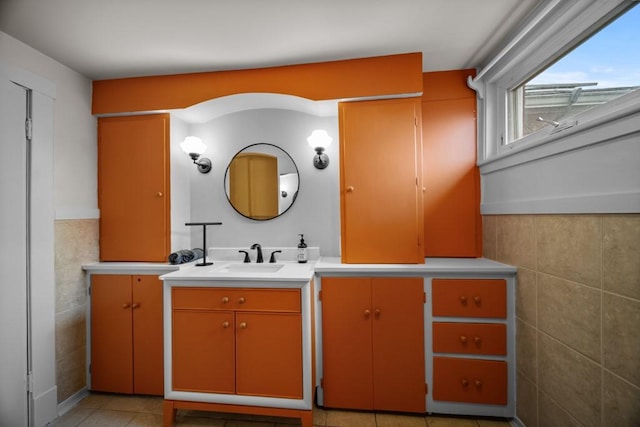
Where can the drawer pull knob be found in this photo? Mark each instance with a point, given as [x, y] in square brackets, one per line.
[225, 300]
[464, 382]
[225, 324]
[243, 325]
[377, 313]
[135, 305]
[477, 299]
[241, 300]
[478, 383]
[477, 340]
[463, 339]
[159, 194]
[125, 305]
[367, 313]
[463, 299]
[350, 189]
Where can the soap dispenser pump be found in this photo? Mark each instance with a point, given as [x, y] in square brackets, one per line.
[302, 250]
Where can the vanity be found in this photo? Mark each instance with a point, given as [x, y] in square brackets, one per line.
[239, 337]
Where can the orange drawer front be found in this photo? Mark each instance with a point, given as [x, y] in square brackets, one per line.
[469, 380]
[243, 299]
[469, 297]
[470, 338]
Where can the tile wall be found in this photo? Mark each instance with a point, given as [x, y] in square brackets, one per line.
[577, 315]
[76, 243]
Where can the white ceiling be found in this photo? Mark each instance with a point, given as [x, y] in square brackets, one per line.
[105, 39]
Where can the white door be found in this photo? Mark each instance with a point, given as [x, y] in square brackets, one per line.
[14, 397]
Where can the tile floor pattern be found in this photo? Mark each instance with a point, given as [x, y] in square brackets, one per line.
[110, 410]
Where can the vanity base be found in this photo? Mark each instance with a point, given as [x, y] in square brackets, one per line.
[171, 406]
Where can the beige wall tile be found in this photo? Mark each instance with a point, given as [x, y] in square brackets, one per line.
[621, 254]
[526, 296]
[71, 374]
[516, 244]
[621, 329]
[489, 236]
[570, 312]
[621, 402]
[71, 331]
[568, 377]
[526, 344]
[552, 415]
[569, 246]
[76, 244]
[527, 401]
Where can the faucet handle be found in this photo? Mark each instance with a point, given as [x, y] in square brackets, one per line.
[273, 256]
[246, 256]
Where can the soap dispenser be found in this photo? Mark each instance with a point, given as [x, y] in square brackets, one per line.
[302, 250]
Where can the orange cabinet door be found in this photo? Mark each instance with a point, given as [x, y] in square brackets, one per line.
[111, 334]
[148, 366]
[452, 221]
[398, 344]
[380, 178]
[133, 188]
[269, 354]
[203, 351]
[373, 343]
[346, 343]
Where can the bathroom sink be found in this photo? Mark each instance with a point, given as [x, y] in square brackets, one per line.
[252, 268]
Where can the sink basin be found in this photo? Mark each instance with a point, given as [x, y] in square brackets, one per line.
[252, 268]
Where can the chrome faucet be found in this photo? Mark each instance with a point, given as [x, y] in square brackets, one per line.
[259, 248]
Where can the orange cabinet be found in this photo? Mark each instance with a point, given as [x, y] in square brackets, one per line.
[471, 357]
[237, 341]
[373, 343]
[126, 334]
[381, 181]
[452, 221]
[133, 188]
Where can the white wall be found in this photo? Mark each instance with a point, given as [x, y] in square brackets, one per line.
[316, 212]
[74, 130]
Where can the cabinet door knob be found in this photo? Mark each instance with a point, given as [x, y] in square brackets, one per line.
[367, 313]
[377, 312]
[463, 339]
[350, 189]
[477, 340]
[243, 325]
[225, 300]
[463, 299]
[225, 324]
[135, 305]
[464, 382]
[477, 299]
[125, 305]
[159, 194]
[241, 300]
[478, 383]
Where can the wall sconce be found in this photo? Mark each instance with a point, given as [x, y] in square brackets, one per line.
[319, 140]
[194, 147]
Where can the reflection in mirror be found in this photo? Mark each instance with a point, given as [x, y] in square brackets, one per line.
[261, 181]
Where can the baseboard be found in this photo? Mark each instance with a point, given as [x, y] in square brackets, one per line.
[72, 400]
[44, 407]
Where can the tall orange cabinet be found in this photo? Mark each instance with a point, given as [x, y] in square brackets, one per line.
[452, 221]
[380, 178]
[126, 334]
[373, 343]
[133, 188]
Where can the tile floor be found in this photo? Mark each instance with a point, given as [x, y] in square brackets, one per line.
[110, 410]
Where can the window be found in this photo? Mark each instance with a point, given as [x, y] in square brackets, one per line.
[602, 68]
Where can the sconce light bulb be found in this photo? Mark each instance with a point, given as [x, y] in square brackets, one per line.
[193, 146]
[319, 138]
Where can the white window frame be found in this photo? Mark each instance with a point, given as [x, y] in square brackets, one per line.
[551, 30]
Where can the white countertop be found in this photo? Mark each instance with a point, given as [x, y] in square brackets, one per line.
[290, 272]
[430, 266]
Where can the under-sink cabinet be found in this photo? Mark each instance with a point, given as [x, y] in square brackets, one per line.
[241, 346]
[373, 343]
[126, 334]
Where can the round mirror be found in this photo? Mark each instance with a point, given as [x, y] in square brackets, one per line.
[261, 181]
